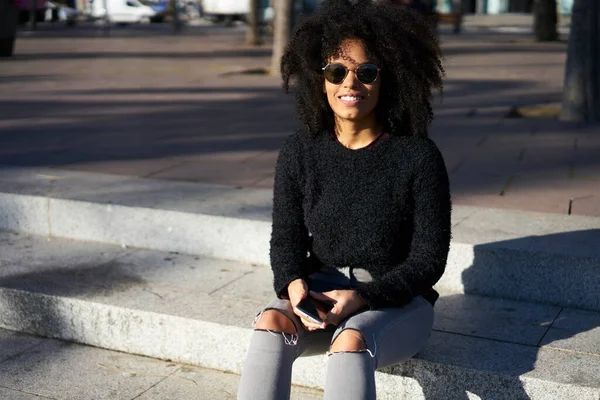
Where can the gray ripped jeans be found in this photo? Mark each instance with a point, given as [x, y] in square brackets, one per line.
[392, 335]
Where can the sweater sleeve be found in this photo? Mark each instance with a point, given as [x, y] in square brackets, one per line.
[430, 242]
[289, 235]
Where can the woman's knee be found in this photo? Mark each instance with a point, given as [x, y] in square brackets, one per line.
[348, 340]
[275, 320]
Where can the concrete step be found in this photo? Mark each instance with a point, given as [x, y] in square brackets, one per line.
[34, 368]
[545, 258]
[198, 310]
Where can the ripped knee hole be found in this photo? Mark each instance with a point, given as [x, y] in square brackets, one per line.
[348, 341]
[275, 320]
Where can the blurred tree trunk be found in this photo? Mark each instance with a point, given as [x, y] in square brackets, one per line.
[282, 31]
[545, 18]
[254, 20]
[581, 94]
[32, 15]
[177, 25]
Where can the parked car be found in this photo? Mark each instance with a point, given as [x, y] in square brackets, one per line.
[122, 11]
[58, 12]
[161, 9]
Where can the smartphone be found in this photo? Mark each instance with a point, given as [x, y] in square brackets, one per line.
[314, 310]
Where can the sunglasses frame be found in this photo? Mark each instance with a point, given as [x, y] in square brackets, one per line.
[353, 70]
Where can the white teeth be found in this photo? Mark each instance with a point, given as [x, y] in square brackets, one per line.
[350, 98]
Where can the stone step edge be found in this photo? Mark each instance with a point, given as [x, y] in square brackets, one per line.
[160, 229]
[247, 241]
[223, 347]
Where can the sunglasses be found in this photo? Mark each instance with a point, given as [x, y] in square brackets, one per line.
[336, 73]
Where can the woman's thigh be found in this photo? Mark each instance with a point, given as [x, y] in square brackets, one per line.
[393, 334]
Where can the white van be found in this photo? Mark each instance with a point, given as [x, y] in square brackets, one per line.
[122, 11]
[228, 11]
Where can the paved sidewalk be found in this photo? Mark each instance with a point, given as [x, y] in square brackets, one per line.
[33, 367]
[144, 103]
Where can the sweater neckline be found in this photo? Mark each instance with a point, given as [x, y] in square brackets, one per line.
[373, 147]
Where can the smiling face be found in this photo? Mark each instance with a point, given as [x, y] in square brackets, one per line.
[353, 100]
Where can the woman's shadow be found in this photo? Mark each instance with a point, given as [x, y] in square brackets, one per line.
[551, 281]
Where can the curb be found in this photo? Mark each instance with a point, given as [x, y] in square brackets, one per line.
[223, 347]
[546, 259]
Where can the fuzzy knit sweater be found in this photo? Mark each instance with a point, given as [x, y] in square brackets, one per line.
[384, 208]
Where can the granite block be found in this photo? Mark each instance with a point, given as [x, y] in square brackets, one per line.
[6, 393]
[24, 213]
[14, 343]
[505, 320]
[521, 275]
[62, 370]
[192, 383]
[575, 330]
[183, 272]
[227, 238]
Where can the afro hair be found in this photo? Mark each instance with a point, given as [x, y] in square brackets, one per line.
[401, 41]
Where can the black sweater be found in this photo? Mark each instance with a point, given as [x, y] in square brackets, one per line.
[384, 208]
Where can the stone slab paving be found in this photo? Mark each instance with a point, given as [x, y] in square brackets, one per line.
[53, 369]
[144, 103]
[202, 288]
[505, 339]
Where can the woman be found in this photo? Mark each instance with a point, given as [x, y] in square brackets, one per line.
[361, 210]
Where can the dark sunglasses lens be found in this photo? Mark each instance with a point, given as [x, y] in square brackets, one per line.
[367, 73]
[335, 73]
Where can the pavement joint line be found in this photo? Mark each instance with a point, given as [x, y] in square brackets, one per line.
[31, 393]
[230, 282]
[17, 355]
[570, 351]
[457, 166]
[465, 218]
[254, 156]
[165, 169]
[549, 327]
[164, 376]
[482, 140]
[171, 375]
[489, 338]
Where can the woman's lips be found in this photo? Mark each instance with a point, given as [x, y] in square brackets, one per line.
[351, 100]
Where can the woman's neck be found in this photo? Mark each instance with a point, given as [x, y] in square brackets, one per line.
[356, 135]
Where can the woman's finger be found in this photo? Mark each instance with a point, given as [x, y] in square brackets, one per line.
[321, 296]
[335, 315]
[310, 325]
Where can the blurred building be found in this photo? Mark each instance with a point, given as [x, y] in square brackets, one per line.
[500, 6]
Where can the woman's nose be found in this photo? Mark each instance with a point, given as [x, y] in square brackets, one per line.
[351, 80]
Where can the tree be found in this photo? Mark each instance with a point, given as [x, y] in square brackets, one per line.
[176, 18]
[581, 94]
[32, 15]
[282, 31]
[253, 30]
[545, 18]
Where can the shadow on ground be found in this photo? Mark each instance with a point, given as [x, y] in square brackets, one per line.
[516, 331]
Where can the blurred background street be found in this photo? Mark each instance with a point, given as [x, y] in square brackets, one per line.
[198, 106]
[137, 156]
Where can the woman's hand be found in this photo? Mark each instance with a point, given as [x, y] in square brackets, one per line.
[298, 290]
[345, 304]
